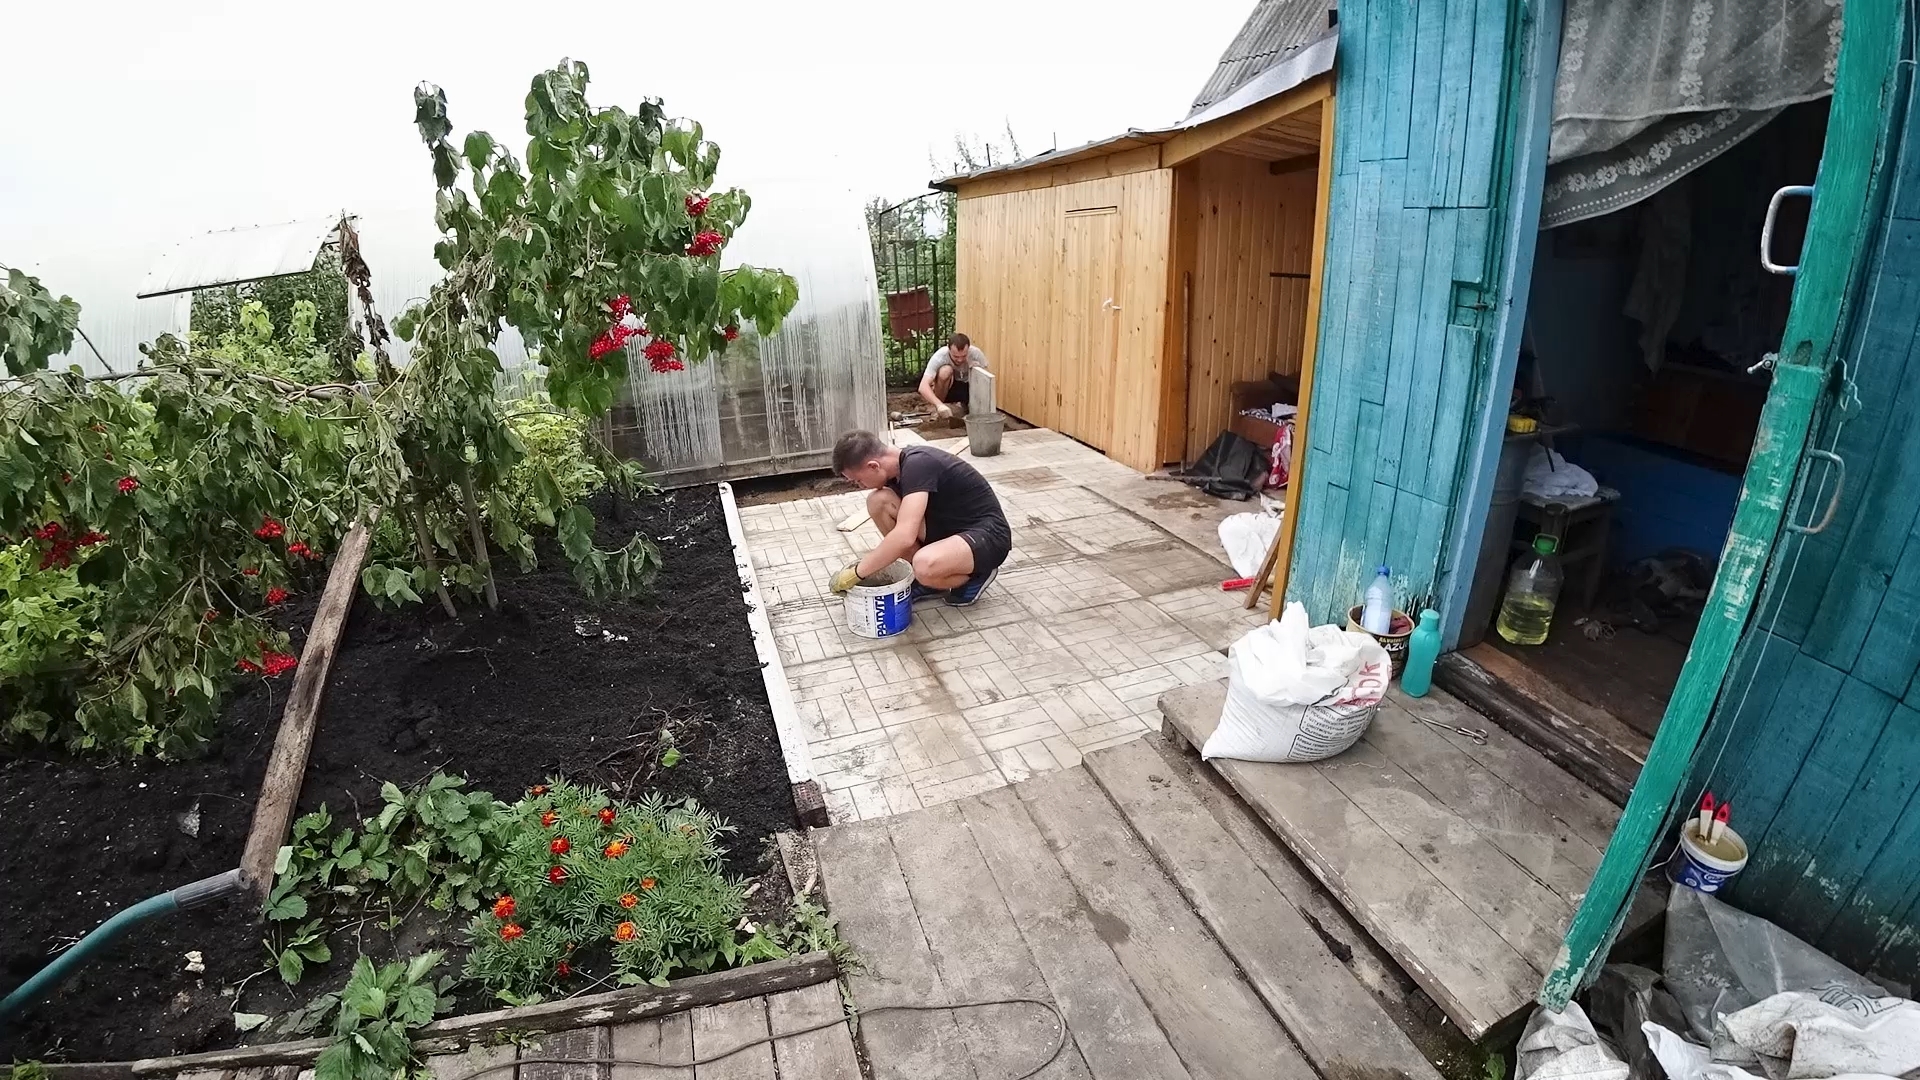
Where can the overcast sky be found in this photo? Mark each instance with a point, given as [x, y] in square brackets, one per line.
[128, 126]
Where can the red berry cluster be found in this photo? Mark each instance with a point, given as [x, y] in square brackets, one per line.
[128, 485]
[730, 332]
[276, 595]
[615, 336]
[705, 242]
[269, 529]
[60, 547]
[272, 663]
[302, 550]
[660, 354]
[697, 205]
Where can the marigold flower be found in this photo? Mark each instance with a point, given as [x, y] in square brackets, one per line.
[512, 932]
[626, 931]
[537, 790]
[647, 883]
[627, 900]
[560, 846]
[606, 817]
[616, 849]
[503, 908]
[562, 969]
[549, 818]
[556, 874]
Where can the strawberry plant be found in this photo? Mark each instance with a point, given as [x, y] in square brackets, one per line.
[374, 1015]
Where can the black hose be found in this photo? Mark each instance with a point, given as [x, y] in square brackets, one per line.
[1059, 1041]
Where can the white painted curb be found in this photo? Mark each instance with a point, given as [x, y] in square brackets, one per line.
[786, 718]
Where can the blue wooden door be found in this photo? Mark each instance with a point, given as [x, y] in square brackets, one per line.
[1427, 97]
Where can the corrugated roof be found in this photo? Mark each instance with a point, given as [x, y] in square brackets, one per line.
[1294, 68]
[1276, 28]
[236, 255]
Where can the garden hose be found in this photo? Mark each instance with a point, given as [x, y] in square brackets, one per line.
[1059, 1041]
[60, 968]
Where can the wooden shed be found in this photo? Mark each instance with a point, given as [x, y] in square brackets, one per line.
[1122, 287]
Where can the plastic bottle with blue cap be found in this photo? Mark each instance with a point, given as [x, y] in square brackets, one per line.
[1377, 616]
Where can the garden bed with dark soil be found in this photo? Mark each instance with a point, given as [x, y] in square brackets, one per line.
[551, 684]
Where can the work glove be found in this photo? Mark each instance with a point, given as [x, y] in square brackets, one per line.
[945, 411]
[845, 578]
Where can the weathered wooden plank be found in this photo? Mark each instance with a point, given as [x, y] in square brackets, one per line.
[1397, 98]
[1589, 814]
[1429, 30]
[868, 894]
[1475, 976]
[465, 1064]
[1488, 102]
[584, 1042]
[287, 765]
[1113, 1028]
[1760, 767]
[1527, 914]
[1460, 359]
[1342, 1031]
[668, 1040]
[1342, 405]
[725, 1041]
[1430, 339]
[1452, 117]
[1891, 652]
[1389, 258]
[1211, 1016]
[296, 1052]
[633, 1002]
[976, 946]
[1877, 923]
[820, 1055]
[1403, 361]
[1370, 60]
[1547, 848]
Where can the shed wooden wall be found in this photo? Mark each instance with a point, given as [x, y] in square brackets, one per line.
[1024, 298]
[1246, 225]
[1817, 733]
[1423, 134]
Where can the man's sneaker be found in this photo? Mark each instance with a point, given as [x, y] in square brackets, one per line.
[966, 594]
[921, 592]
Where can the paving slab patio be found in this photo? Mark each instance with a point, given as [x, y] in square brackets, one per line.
[1110, 598]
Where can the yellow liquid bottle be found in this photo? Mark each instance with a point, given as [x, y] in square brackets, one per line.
[1526, 613]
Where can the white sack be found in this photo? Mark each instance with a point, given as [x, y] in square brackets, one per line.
[1828, 1030]
[1564, 1046]
[1298, 693]
[1683, 1060]
[1246, 538]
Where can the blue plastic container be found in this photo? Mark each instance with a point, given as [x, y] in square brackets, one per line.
[1696, 869]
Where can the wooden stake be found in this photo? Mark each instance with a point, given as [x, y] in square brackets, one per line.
[280, 789]
[1264, 576]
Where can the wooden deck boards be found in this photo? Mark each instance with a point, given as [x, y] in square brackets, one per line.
[1457, 858]
[1123, 902]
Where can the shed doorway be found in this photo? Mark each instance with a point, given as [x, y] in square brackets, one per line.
[1642, 373]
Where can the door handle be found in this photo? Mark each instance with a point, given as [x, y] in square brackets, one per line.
[1833, 504]
[1766, 230]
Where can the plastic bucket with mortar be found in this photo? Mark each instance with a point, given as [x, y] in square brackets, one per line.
[983, 434]
[1705, 870]
[881, 605]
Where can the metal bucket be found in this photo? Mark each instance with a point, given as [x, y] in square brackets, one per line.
[884, 608]
[983, 434]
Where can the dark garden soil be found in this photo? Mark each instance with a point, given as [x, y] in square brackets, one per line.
[551, 684]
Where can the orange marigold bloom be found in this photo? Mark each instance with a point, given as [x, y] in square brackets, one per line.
[547, 819]
[626, 931]
[537, 790]
[627, 900]
[503, 908]
[606, 818]
[560, 846]
[511, 932]
[616, 849]
[647, 883]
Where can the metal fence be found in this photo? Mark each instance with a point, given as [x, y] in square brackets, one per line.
[913, 257]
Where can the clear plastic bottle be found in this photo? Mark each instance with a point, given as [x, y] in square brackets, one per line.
[1377, 614]
[1526, 614]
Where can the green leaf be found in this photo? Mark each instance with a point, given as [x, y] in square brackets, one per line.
[576, 532]
[316, 951]
[246, 1021]
[290, 906]
[671, 757]
[291, 966]
[390, 793]
[282, 859]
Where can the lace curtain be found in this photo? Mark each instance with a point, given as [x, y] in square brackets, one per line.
[1650, 90]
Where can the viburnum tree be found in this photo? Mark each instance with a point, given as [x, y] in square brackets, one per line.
[606, 241]
[192, 494]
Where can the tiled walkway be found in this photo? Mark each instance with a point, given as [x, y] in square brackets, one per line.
[1111, 597]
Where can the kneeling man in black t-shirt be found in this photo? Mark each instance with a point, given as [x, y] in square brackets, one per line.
[931, 508]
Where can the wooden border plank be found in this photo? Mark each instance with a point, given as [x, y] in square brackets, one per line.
[280, 788]
[1309, 354]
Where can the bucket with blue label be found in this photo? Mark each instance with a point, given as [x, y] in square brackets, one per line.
[882, 605]
[1706, 866]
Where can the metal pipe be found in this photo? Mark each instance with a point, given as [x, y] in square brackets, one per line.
[60, 968]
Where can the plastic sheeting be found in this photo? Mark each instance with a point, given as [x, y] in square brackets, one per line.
[776, 404]
[231, 256]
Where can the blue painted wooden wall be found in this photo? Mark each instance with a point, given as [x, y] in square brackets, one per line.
[1817, 733]
[1422, 135]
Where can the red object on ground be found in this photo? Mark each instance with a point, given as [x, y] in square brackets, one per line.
[1236, 584]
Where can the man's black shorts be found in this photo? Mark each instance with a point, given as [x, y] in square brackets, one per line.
[991, 542]
[957, 394]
